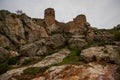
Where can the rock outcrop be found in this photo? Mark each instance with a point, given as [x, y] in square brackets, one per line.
[55, 41]
[76, 42]
[19, 29]
[34, 48]
[4, 54]
[103, 36]
[42, 46]
[20, 32]
[108, 53]
[54, 58]
[91, 71]
[48, 60]
[23, 36]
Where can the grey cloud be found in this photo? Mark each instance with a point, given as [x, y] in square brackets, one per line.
[100, 13]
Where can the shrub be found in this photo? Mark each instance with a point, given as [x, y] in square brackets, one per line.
[13, 60]
[26, 62]
[117, 36]
[3, 68]
[35, 70]
[73, 58]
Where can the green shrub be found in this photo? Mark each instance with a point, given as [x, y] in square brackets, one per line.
[117, 36]
[26, 62]
[3, 68]
[35, 70]
[13, 60]
[73, 58]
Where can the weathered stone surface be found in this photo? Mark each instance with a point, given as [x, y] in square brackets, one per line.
[13, 53]
[54, 58]
[20, 32]
[90, 71]
[32, 30]
[29, 49]
[89, 34]
[76, 42]
[4, 42]
[106, 53]
[19, 29]
[103, 36]
[4, 54]
[42, 46]
[33, 49]
[52, 28]
[55, 41]
[48, 60]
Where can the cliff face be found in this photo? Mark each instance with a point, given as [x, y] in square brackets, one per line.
[16, 30]
[19, 29]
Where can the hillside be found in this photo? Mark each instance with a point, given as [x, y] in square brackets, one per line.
[46, 49]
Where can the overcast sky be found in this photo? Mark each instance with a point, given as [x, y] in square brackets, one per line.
[99, 13]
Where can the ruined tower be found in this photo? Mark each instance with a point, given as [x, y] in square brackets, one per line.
[77, 23]
[80, 20]
[49, 16]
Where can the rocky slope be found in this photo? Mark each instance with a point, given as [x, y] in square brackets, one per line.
[48, 60]
[57, 43]
[105, 53]
[31, 37]
[91, 71]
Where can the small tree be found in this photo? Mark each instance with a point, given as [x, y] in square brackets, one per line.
[19, 12]
[117, 36]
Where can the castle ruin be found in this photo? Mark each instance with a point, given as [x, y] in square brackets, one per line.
[49, 16]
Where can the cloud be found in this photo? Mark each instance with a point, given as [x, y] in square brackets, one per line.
[100, 13]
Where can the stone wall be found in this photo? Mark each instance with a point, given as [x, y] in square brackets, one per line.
[77, 23]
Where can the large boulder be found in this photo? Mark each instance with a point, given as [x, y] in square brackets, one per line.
[57, 57]
[32, 49]
[55, 41]
[32, 30]
[4, 54]
[106, 53]
[76, 42]
[19, 29]
[4, 41]
[40, 47]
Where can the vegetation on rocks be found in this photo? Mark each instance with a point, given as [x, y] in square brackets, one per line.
[3, 68]
[13, 60]
[26, 42]
[35, 70]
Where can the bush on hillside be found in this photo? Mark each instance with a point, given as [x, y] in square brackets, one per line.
[13, 60]
[3, 68]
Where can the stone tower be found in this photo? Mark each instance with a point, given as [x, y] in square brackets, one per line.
[49, 16]
[80, 20]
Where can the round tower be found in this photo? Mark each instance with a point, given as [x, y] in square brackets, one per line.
[49, 16]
